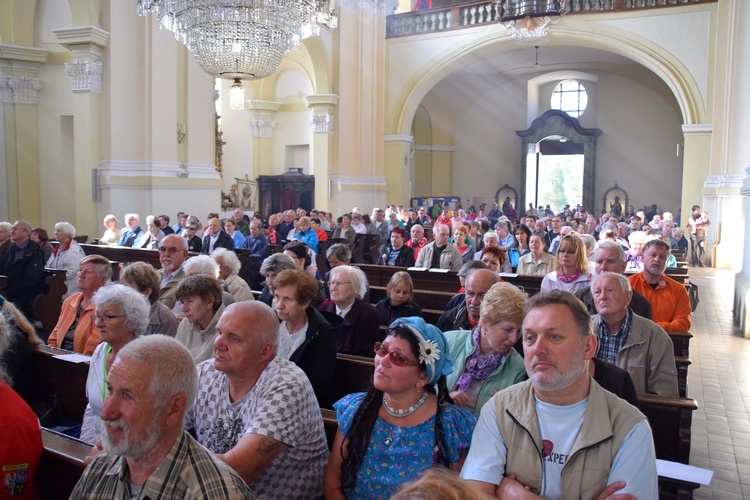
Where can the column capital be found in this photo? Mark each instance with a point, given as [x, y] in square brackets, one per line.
[378, 7]
[19, 89]
[85, 75]
[322, 123]
[263, 128]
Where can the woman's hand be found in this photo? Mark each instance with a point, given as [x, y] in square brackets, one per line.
[460, 398]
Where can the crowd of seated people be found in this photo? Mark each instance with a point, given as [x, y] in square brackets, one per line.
[431, 382]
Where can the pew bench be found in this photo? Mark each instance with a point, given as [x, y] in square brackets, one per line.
[61, 465]
[61, 377]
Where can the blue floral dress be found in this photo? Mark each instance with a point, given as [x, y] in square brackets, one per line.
[397, 454]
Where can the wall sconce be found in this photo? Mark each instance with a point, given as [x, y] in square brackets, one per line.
[181, 133]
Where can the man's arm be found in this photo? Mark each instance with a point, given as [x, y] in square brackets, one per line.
[252, 455]
[662, 378]
[681, 318]
[635, 465]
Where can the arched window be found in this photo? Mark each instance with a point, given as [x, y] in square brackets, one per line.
[570, 96]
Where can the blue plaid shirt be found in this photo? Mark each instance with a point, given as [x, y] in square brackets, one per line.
[611, 343]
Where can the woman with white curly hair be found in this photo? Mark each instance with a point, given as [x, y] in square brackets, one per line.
[229, 269]
[121, 314]
[67, 255]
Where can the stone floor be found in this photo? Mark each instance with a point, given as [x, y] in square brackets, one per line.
[719, 380]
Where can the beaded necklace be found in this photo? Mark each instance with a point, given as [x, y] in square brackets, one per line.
[404, 413]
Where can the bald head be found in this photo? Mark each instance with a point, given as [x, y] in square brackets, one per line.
[259, 319]
[478, 283]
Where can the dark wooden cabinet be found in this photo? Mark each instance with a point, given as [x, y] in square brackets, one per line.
[287, 191]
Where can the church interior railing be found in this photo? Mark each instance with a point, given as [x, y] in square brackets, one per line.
[478, 13]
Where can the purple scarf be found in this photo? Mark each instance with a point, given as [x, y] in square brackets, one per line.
[478, 366]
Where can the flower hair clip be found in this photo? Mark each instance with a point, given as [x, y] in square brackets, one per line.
[428, 352]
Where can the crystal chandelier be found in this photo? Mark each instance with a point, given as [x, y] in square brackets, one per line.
[241, 39]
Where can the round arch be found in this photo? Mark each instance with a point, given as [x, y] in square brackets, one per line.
[669, 69]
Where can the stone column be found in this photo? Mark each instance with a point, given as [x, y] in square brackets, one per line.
[322, 123]
[263, 125]
[399, 167]
[19, 92]
[360, 173]
[86, 44]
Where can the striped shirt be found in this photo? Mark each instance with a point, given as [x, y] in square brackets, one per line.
[188, 471]
[611, 343]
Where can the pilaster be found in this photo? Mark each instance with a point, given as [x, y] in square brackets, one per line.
[323, 127]
[86, 44]
[19, 93]
[263, 124]
[399, 167]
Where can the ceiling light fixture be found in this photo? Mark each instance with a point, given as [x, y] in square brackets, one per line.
[241, 39]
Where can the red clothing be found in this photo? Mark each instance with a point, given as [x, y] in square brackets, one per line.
[670, 304]
[87, 335]
[322, 235]
[416, 249]
[444, 220]
[20, 446]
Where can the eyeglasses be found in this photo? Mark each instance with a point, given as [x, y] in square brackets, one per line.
[570, 252]
[338, 283]
[169, 250]
[105, 318]
[397, 359]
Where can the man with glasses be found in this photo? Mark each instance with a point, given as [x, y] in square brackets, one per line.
[133, 233]
[173, 251]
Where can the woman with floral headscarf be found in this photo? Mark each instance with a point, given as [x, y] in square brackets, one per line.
[406, 423]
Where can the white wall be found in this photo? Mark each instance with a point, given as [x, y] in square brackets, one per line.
[641, 129]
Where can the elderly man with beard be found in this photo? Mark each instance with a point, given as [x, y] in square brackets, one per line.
[560, 420]
[173, 251]
[147, 454]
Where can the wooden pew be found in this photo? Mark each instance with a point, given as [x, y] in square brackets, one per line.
[366, 249]
[62, 464]
[330, 424]
[353, 374]
[47, 307]
[682, 365]
[56, 376]
[124, 254]
[681, 343]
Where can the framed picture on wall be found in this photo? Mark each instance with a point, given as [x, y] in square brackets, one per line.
[244, 194]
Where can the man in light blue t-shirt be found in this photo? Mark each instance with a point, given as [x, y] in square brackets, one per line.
[559, 434]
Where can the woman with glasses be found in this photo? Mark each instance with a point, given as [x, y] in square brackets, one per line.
[405, 424]
[230, 226]
[121, 315]
[305, 337]
[360, 327]
[571, 267]
[195, 243]
[75, 329]
[484, 359]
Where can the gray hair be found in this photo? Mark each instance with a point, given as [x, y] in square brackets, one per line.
[490, 235]
[5, 339]
[131, 216]
[174, 370]
[606, 245]
[356, 275]
[228, 259]
[341, 251]
[470, 267]
[7, 225]
[203, 264]
[134, 305]
[67, 228]
[588, 240]
[276, 263]
[624, 282]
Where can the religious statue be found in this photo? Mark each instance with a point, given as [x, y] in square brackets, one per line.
[616, 207]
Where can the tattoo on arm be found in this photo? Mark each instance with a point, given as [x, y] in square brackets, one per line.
[266, 446]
